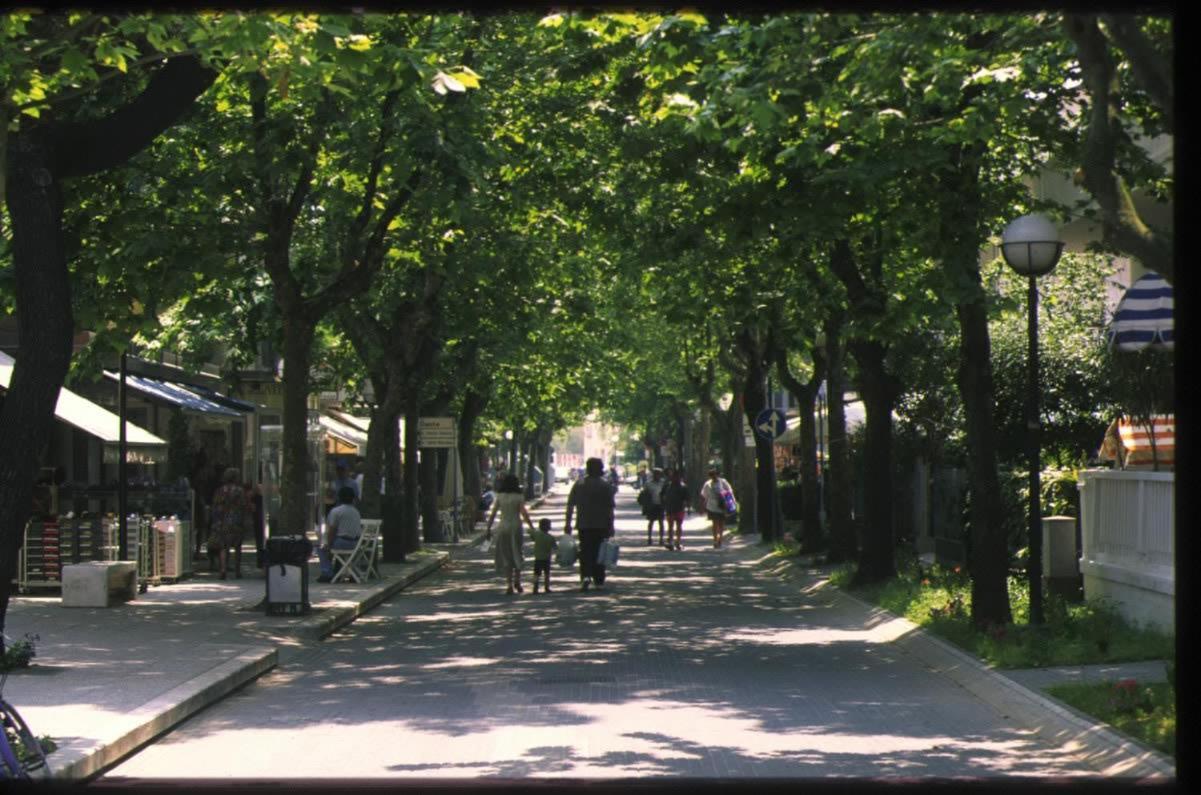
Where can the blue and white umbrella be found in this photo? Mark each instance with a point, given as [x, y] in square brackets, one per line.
[1144, 316]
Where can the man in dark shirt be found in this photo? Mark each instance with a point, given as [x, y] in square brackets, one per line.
[592, 497]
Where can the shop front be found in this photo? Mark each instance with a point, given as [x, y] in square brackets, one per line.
[73, 516]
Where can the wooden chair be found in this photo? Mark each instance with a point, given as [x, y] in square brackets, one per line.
[359, 562]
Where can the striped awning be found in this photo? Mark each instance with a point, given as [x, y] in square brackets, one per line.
[1128, 442]
[1144, 316]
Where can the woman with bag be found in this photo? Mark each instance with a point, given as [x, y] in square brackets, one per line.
[506, 548]
[719, 502]
[232, 516]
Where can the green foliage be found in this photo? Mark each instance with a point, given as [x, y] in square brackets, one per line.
[18, 653]
[939, 599]
[1146, 712]
[179, 447]
[1141, 383]
[787, 547]
[1076, 384]
[1060, 492]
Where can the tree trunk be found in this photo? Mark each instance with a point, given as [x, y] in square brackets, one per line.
[843, 545]
[989, 558]
[42, 290]
[812, 538]
[698, 456]
[432, 531]
[473, 406]
[729, 431]
[295, 503]
[381, 435]
[877, 556]
[806, 398]
[763, 507]
[392, 527]
[411, 539]
[529, 444]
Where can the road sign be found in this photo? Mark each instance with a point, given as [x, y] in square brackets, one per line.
[436, 432]
[770, 423]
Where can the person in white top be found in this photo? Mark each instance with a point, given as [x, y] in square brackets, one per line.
[343, 527]
[715, 505]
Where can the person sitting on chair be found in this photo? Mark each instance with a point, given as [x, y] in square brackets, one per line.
[343, 527]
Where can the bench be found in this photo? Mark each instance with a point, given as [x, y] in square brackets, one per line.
[99, 583]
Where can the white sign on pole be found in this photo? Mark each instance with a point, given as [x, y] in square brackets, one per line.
[436, 432]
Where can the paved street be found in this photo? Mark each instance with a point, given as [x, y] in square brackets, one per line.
[687, 664]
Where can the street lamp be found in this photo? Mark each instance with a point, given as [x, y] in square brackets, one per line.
[1031, 246]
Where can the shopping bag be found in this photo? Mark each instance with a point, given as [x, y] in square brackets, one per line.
[565, 551]
[606, 555]
[727, 498]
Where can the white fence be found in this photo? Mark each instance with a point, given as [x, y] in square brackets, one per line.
[1128, 545]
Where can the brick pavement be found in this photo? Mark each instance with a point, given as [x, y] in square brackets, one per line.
[688, 664]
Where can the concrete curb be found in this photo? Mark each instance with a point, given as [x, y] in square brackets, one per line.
[80, 762]
[1103, 748]
[337, 617]
[84, 761]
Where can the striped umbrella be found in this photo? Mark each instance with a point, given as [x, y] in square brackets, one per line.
[1144, 316]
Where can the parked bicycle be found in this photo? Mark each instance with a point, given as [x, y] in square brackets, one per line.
[21, 753]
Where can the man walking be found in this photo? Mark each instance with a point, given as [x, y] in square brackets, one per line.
[593, 498]
[651, 498]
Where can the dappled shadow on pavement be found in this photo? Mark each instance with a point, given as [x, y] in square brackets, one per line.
[688, 664]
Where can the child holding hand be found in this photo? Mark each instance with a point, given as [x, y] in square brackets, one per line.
[544, 545]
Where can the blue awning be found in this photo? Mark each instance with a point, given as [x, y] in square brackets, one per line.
[1144, 316]
[225, 400]
[186, 397]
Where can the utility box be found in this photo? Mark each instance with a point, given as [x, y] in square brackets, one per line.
[287, 559]
[1061, 559]
[99, 583]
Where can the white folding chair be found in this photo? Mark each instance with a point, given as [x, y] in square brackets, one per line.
[358, 563]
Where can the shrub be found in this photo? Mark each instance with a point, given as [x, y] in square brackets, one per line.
[18, 653]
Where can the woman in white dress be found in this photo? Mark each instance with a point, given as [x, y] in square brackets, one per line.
[510, 502]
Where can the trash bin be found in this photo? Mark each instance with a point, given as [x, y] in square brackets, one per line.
[288, 574]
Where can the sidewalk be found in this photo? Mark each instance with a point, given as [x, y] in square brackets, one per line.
[1019, 694]
[106, 681]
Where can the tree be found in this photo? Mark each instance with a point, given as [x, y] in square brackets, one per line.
[1119, 93]
[42, 153]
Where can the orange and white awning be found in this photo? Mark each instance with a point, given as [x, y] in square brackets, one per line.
[1128, 442]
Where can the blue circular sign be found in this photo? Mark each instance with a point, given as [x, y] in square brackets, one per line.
[770, 423]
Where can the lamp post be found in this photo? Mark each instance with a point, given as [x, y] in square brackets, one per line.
[1031, 246]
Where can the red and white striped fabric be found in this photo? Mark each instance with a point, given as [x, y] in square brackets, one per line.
[1128, 442]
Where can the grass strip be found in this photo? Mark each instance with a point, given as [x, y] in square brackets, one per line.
[1145, 712]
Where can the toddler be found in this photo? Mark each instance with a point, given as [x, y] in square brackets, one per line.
[544, 544]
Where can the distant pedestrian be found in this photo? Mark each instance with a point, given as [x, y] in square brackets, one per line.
[592, 497]
[675, 505]
[651, 499]
[544, 546]
[713, 494]
[232, 517]
[344, 478]
[510, 503]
